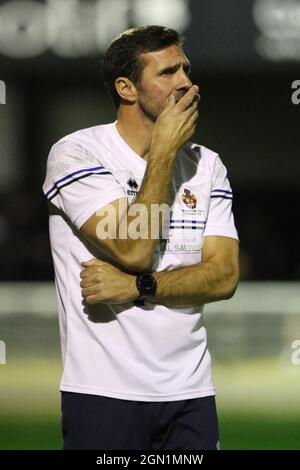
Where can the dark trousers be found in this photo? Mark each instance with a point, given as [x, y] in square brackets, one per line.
[103, 423]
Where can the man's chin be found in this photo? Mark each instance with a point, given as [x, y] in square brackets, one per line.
[149, 114]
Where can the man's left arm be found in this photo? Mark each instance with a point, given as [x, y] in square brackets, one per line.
[215, 278]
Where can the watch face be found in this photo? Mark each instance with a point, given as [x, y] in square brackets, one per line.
[146, 284]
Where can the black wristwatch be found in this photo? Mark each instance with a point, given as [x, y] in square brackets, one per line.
[146, 285]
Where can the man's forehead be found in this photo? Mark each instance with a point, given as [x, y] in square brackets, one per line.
[169, 56]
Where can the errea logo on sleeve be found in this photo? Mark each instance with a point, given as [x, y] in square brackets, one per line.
[2, 92]
[134, 187]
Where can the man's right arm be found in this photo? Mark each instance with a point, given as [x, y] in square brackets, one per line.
[174, 126]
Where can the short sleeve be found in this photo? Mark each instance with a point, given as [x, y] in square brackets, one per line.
[77, 183]
[220, 220]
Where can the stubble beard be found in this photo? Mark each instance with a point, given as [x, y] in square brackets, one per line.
[149, 113]
[151, 109]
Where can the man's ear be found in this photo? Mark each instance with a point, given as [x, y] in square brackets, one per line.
[126, 89]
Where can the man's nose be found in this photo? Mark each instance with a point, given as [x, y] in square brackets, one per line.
[184, 82]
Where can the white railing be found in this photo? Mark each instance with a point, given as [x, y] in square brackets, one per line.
[251, 297]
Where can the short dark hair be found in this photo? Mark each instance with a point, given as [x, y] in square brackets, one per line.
[122, 57]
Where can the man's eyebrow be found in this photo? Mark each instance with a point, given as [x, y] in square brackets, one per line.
[173, 68]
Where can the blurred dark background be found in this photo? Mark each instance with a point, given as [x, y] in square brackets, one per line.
[245, 57]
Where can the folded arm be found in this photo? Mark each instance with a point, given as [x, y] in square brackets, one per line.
[215, 278]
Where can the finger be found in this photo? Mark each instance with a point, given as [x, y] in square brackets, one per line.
[90, 280]
[87, 272]
[87, 291]
[92, 290]
[187, 99]
[191, 110]
[92, 299]
[194, 116]
[192, 123]
[170, 102]
[190, 120]
[84, 273]
[191, 126]
[91, 262]
[197, 98]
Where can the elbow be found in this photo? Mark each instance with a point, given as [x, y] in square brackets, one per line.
[229, 292]
[134, 264]
[131, 258]
[230, 284]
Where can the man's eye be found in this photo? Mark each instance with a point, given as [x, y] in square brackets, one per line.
[168, 72]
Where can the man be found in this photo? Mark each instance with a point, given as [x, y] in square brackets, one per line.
[137, 371]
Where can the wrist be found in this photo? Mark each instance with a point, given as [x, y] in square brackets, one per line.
[157, 276]
[133, 293]
[158, 153]
[146, 286]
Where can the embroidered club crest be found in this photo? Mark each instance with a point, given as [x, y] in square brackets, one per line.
[189, 199]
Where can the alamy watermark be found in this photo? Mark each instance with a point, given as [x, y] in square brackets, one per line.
[2, 352]
[295, 358]
[296, 94]
[2, 92]
[139, 221]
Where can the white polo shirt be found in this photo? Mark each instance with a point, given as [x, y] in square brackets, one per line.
[150, 353]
